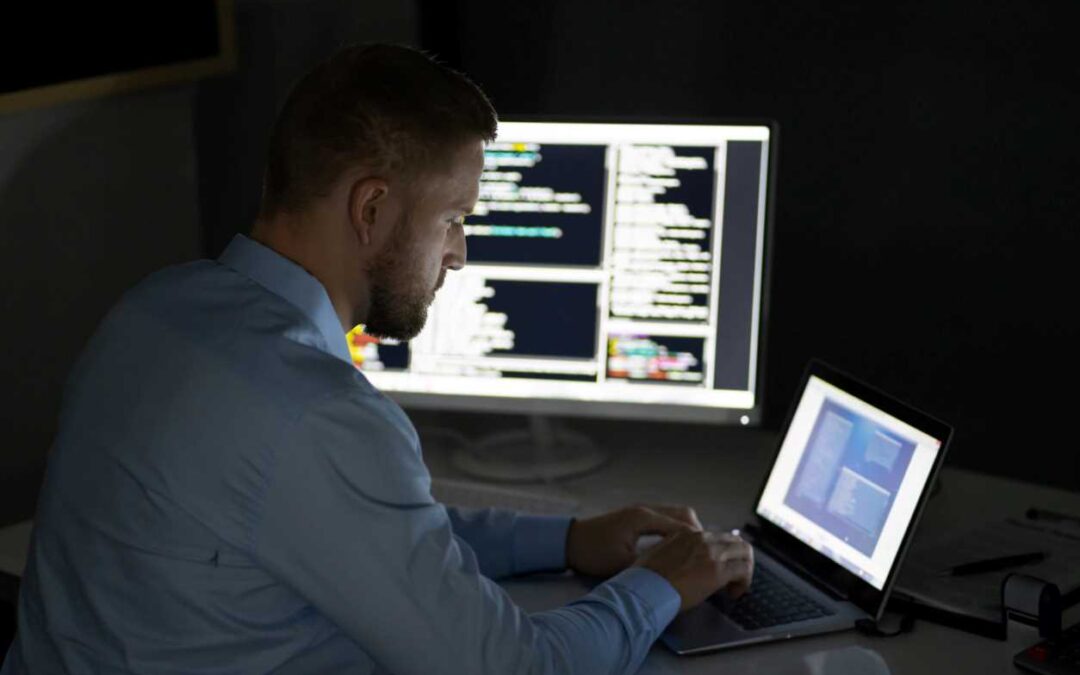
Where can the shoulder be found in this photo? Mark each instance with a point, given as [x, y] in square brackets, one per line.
[177, 279]
[362, 413]
[357, 436]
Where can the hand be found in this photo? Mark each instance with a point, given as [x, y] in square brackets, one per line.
[698, 564]
[606, 544]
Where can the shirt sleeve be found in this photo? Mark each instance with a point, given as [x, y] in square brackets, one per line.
[508, 543]
[348, 522]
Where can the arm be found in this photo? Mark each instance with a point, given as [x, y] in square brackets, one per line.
[349, 523]
[508, 543]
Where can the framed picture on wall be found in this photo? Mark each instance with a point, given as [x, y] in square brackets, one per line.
[87, 50]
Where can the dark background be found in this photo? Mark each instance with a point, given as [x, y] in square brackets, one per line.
[924, 235]
[927, 186]
[100, 40]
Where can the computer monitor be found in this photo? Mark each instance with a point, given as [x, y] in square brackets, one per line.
[614, 269]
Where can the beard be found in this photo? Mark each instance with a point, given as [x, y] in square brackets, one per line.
[399, 299]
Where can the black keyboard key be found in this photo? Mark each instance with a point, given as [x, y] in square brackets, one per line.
[770, 602]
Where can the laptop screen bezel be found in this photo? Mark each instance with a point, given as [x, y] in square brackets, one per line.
[828, 572]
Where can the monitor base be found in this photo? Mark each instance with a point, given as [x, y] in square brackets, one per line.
[543, 453]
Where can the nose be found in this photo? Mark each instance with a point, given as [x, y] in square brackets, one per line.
[456, 250]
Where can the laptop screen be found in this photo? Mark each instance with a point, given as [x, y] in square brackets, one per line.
[847, 480]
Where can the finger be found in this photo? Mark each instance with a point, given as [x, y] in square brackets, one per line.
[650, 521]
[681, 513]
[739, 551]
[741, 568]
[721, 538]
[737, 589]
[741, 576]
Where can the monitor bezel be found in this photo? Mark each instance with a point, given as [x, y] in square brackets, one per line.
[827, 571]
[752, 417]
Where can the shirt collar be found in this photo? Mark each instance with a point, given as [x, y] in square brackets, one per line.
[284, 278]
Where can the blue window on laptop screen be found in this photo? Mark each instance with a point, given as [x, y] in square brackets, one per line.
[849, 475]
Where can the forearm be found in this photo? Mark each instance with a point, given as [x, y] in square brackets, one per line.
[508, 543]
[417, 602]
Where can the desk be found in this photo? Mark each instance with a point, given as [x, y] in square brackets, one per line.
[719, 472]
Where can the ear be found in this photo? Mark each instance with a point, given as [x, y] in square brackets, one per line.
[367, 198]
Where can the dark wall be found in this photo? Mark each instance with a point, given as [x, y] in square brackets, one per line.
[94, 195]
[927, 183]
[277, 42]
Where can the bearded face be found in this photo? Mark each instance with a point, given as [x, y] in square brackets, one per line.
[401, 288]
[426, 239]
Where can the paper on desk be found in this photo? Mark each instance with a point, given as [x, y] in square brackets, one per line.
[979, 595]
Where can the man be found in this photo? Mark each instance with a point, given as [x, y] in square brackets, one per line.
[227, 493]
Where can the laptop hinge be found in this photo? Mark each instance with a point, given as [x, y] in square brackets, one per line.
[823, 586]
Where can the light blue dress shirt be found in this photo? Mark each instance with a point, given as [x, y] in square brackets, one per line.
[228, 494]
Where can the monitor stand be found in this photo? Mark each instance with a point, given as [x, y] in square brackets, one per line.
[544, 452]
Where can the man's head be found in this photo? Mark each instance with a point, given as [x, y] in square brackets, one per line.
[373, 162]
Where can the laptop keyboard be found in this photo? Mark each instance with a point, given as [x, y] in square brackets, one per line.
[771, 601]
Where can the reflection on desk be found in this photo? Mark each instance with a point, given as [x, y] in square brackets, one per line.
[852, 660]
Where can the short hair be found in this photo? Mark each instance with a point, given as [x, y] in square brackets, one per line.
[388, 107]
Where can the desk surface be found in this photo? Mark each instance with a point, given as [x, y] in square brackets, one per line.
[718, 472]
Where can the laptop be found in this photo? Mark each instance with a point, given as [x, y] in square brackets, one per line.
[833, 519]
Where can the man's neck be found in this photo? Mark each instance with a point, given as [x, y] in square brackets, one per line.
[307, 244]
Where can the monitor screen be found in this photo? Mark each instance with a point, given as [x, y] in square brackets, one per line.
[613, 270]
[847, 479]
